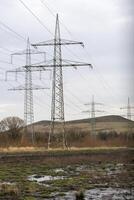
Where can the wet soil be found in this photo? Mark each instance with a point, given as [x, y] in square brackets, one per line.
[100, 174]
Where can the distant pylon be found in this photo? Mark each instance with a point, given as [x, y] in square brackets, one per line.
[57, 106]
[128, 108]
[28, 86]
[129, 115]
[93, 113]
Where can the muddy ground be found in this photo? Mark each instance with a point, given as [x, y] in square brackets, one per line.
[100, 174]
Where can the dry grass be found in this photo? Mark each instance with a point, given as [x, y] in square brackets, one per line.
[9, 189]
[20, 149]
[42, 149]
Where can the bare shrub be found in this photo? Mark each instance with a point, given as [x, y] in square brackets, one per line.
[12, 126]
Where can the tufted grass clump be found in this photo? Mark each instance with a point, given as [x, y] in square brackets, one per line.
[80, 195]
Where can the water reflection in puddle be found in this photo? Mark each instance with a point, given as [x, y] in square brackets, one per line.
[98, 193]
[102, 194]
[40, 179]
[57, 170]
[109, 194]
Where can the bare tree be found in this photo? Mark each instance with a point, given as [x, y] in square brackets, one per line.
[12, 126]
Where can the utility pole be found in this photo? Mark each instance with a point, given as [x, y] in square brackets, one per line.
[28, 86]
[93, 112]
[57, 106]
[129, 114]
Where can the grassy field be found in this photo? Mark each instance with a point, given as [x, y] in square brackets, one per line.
[35, 174]
[90, 164]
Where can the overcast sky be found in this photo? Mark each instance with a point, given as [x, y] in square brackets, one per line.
[105, 27]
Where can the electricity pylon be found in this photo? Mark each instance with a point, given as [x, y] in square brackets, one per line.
[128, 108]
[57, 106]
[93, 112]
[129, 114]
[28, 86]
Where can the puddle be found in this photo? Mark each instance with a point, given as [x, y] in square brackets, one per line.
[114, 170]
[68, 196]
[42, 179]
[101, 194]
[109, 194]
[59, 170]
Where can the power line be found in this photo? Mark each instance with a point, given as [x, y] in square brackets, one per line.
[37, 18]
[54, 14]
[10, 29]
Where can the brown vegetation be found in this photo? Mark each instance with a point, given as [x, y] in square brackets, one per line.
[78, 133]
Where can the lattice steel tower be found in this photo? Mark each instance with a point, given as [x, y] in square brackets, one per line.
[93, 112]
[129, 115]
[57, 106]
[128, 108]
[28, 87]
[28, 99]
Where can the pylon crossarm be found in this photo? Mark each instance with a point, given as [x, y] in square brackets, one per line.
[17, 88]
[19, 69]
[76, 65]
[38, 87]
[63, 65]
[53, 42]
[34, 87]
[16, 71]
[45, 43]
[22, 70]
[24, 52]
[36, 68]
[69, 42]
[76, 62]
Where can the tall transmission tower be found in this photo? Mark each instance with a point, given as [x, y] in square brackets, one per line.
[28, 86]
[57, 106]
[129, 115]
[93, 113]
